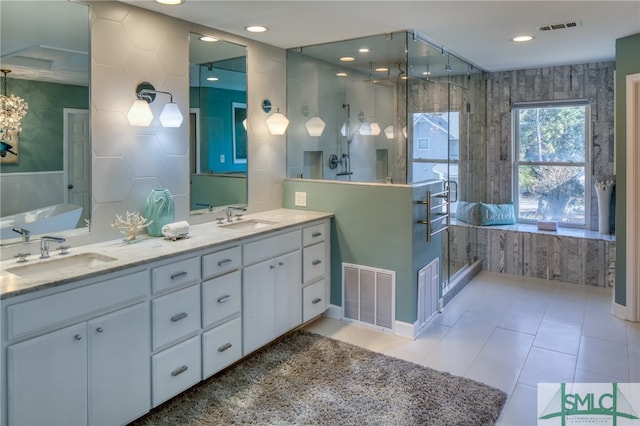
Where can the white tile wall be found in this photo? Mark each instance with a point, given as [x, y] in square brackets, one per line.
[130, 45]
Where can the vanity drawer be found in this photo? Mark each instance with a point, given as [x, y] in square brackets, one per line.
[313, 234]
[313, 261]
[221, 298]
[221, 261]
[175, 315]
[46, 312]
[175, 369]
[221, 347]
[314, 300]
[266, 248]
[175, 274]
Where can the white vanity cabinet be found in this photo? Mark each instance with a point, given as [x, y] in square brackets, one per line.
[271, 289]
[105, 349]
[95, 371]
[316, 258]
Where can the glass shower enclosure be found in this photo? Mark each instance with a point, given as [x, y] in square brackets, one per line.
[391, 109]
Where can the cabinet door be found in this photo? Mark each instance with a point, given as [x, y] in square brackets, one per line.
[47, 379]
[119, 366]
[288, 297]
[258, 305]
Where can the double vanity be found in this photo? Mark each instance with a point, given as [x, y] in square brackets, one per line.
[107, 332]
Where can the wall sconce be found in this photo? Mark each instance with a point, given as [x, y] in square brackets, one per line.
[375, 129]
[315, 126]
[140, 113]
[277, 122]
[388, 132]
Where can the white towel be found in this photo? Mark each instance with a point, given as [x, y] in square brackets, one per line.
[176, 229]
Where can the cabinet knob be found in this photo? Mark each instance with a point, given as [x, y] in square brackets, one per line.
[179, 370]
[316, 262]
[224, 347]
[99, 329]
[316, 300]
[77, 337]
[272, 266]
[280, 263]
[178, 317]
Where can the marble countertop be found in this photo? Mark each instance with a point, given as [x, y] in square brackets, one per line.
[147, 249]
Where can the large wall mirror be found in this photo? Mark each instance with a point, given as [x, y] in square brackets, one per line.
[45, 168]
[218, 112]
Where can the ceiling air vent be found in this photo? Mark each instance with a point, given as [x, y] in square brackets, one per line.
[561, 26]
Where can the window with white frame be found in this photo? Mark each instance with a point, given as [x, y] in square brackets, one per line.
[551, 161]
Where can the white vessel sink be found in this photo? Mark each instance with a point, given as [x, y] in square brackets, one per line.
[249, 225]
[76, 261]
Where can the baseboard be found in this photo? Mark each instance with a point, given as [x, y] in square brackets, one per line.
[334, 312]
[618, 310]
[406, 329]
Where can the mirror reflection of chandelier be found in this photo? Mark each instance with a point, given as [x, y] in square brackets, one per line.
[12, 111]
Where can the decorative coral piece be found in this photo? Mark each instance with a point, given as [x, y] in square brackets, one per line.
[131, 225]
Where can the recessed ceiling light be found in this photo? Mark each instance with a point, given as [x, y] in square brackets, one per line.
[341, 74]
[382, 69]
[170, 2]
[363, 50]
[347, 59]
[208, 38]
[256, 28]
[522, 38]
[213, 78]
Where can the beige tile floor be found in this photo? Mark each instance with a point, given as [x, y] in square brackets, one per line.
[513, 332]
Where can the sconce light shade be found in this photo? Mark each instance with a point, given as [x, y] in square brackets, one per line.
[365, 129]
[315, 126]
[277, 123]
[244, 124]
[375, 129]
[140, 114]
[404, 132]
[344, 129]
[170, 115]
[388, 132]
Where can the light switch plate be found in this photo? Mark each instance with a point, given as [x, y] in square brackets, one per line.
[301, 199]
[222, 158]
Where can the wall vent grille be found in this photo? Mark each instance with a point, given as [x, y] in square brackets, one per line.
[369, 295]
[428, 292]
[560, 26]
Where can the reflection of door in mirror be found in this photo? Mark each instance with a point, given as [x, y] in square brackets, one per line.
[77, 160]
[218, 96]
[45, 44]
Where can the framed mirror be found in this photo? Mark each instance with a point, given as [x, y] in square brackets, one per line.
[46, 167]
[218, 112]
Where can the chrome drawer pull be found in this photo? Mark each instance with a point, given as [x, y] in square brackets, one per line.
[77, 337]
[178, 317]
[224, 347]
[224, 262]
[179, 275]
[224, 299]
[99, 329]
[316, 234]
[316, 262]
[316, 300]
[179, 370]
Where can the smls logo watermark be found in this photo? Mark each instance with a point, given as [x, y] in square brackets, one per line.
[616, 404]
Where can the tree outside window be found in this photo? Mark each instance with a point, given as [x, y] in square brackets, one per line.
[551, 161]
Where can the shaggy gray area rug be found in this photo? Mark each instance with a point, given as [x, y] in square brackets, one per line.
[306, 379]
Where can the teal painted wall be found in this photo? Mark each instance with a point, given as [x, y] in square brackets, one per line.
[218, 190]
[627, 62]
[373, 226]
[41, 139]
[216, 128]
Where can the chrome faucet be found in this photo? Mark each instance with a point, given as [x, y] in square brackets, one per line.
[44, 245]
[26, 234]
[229, 211]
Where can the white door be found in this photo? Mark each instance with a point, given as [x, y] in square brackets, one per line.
[77, 174]
[119, 368]
[288, 298]
[47, 379]
[258, 305]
